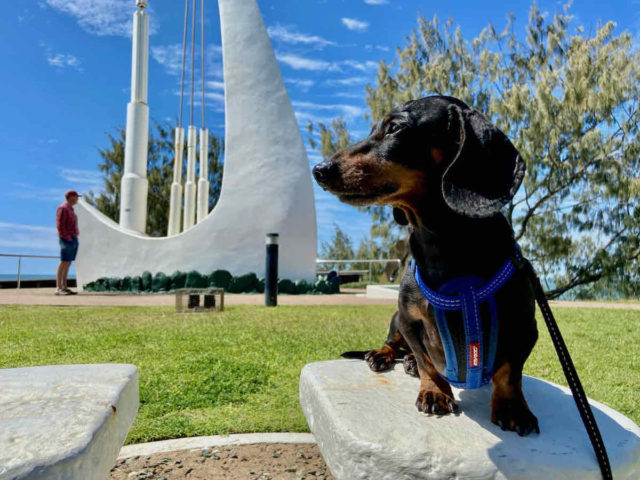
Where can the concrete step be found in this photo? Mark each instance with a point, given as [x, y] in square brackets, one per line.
[65, 421]
[367, 427]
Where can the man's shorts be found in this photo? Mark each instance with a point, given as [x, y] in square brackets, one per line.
[68, 249]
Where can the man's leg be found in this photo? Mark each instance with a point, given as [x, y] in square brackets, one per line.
[63, 274]
[59, 272]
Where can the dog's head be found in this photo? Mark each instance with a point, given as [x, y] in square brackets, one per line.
[435, 147]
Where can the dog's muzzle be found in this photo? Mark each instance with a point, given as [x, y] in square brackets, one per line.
[324, 171]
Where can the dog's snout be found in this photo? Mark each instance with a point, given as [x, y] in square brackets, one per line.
[323, 172]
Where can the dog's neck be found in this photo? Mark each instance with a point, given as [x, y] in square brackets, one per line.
[447, 245]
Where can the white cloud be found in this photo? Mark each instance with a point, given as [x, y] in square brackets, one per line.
[363, 66]
[170, 58]
[28, 237]
[23, 190]
[301, 63]
[88, 179]
[289, 35]
[349, 111]
[215, 85]
[355, 25]
[359, 96]
[217, 97]
[304, 117]
[376, 2]
[347, 81]
[63, 60]
[378, 47]
[303, 84]
[100, 17]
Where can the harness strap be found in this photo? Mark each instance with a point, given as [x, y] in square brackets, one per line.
[572, 377]
[454, 302]
[471, 292]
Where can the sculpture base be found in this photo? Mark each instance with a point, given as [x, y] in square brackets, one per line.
[367, 426]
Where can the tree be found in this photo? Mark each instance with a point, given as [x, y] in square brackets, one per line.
[159, 175]
[569, 102]
[340, 248]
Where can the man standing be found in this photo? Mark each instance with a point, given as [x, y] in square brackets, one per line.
[67, 223]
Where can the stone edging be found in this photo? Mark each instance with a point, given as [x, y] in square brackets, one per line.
[163, 446]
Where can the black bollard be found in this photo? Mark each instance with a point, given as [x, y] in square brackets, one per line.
[271, 271]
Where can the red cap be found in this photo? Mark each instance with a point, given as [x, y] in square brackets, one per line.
[71, 193]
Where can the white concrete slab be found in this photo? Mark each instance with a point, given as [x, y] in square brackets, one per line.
[65, 421]
[367, 426]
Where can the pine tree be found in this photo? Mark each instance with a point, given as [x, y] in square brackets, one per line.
[159, 175]
[569, 101]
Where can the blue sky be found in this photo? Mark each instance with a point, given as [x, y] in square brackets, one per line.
[64, 85]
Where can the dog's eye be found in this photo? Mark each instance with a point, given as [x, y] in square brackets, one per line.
[392, 128]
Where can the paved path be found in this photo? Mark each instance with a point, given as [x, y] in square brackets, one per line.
[45, 296]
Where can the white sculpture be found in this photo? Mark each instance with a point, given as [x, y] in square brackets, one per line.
[266, 185]
[134, 185]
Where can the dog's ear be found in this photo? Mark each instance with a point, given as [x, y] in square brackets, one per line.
[400, 217]
[486, 170]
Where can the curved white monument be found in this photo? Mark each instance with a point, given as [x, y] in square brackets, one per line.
[266, 185]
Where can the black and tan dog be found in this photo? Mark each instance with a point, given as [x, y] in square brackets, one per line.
[448, 172]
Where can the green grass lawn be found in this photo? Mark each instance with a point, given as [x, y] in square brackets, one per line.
[237, 371]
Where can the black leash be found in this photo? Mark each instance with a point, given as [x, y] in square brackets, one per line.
[572, 378]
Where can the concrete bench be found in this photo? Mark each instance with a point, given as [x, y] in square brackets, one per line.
[65, 422]
[367, 427]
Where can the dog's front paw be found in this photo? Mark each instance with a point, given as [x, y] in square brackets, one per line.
[380, 359]
[434, 401]
[514, 414]
[410, 365]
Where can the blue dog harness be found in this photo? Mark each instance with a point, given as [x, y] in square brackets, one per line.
[467, 321]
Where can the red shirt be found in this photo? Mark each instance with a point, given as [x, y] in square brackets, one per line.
[67, 222]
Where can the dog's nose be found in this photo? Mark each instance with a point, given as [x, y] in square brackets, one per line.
[323, 171]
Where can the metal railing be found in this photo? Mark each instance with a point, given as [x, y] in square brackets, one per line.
[359, 260]
[20, 257]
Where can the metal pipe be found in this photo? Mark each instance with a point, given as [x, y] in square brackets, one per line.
[203, 181]
[175, 202]
[202, 55]
[271, 271]
[184, 56]
[190, 184]
[19, 268]
[193, 50]
[360, 260]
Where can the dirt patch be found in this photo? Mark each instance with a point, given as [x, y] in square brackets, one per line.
[273, 461]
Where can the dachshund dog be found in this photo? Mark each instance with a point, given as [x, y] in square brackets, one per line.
[447, 171]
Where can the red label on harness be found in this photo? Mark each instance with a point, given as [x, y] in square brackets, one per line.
[474, 354]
